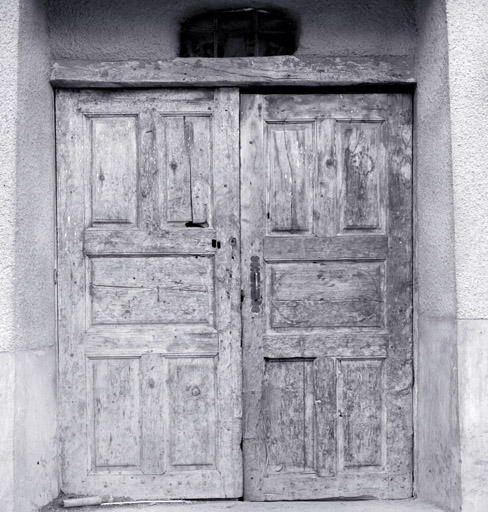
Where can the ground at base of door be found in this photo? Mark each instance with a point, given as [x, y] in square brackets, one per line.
[412, 505]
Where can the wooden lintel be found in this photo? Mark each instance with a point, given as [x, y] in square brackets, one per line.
[232, 72]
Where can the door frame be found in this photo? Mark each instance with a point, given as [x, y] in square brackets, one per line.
[273, 74]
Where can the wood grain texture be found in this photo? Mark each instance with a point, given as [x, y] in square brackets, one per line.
[113, 169]
[327, 294]
[288, 408]
[253, 230]
[151, 304]
[192, 435]
[361, 426]
[136, 290]
[331, 248]
[108, 242]
[188, 167]
[329, 297]
[329, 343]
[290, 148]
[115, 396]
[228, 291]
[235, 72]
[398, 366]
[154, 397]
[362, 182]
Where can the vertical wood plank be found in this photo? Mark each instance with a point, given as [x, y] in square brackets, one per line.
[253, 210]
[289, 415]
[178, 169]
[362, 176]
[325, 413]
[199, 144]
[192, 417]
[151, 175]
[291, 158]
[154, 411]
[117, 414]
[361, 418]
[114, 169]
[72, 161]
[399, 370]
[228, 286]
[325, 203]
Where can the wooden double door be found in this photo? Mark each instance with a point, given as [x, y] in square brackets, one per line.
[235, 294]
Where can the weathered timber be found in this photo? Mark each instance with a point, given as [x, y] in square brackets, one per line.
[149, 293]
[235, 72]
[333, 328]
[305, 248]
[326, 344]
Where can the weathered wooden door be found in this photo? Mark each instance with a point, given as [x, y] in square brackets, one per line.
[327, 277]
[149, 293]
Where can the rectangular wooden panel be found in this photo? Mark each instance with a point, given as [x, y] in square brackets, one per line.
[308, 248]
[188, 166]
[110, 242]
[114, 169]
[327, 343]
[115, 388]
[326, 294]
[154, 376]
[361, 412]
[291, 158]
[152, 290]
[362, 154]
[192, 412]
[288, 410]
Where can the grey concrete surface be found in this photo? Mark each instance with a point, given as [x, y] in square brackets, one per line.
[279, 506]
[437, 441]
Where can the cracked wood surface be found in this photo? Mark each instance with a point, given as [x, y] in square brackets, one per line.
[236, 72]
[327, 356]
[149, 318]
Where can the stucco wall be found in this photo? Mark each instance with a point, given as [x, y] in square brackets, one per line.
[27, 323]
[437, 434]
[136, 29]
[467, 23]
[452, 205]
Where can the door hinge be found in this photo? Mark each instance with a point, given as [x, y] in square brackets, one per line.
[55, 276]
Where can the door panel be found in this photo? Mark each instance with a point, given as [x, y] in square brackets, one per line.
[149, 293]
[326, 269]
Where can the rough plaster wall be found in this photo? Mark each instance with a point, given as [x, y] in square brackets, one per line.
[467, 23]
[27, 323]
[9, 20]
[437, 446]
[136, 29]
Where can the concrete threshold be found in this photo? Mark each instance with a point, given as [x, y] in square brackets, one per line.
[410, 505]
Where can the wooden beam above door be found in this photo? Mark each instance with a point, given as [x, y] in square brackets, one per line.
[241, 71]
